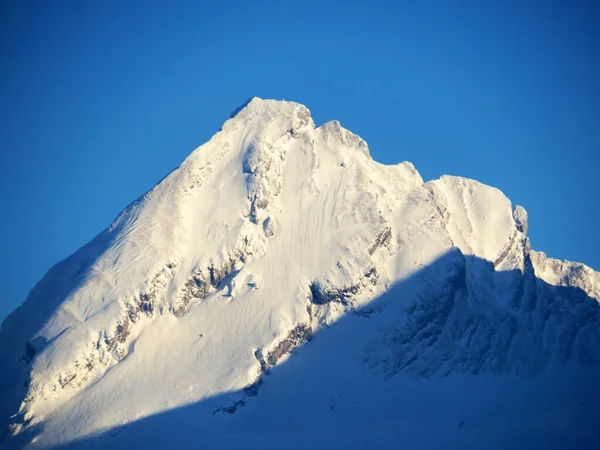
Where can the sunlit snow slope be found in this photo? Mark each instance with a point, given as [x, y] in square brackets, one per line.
[416, 298]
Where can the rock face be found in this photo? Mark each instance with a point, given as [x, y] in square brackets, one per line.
[265, 237]
[451, 329]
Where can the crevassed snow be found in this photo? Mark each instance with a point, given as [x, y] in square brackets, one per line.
[268, 234]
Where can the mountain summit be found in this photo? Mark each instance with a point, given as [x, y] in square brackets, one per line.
[282, 289]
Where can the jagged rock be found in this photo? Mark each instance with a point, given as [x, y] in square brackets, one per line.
[381, 240]
[521, 220]
[299, 335]
[322, 295]
[454, 329]
[269, 227]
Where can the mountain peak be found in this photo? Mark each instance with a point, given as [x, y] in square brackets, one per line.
[273, 117]
[256, 106]
[267, 234]
[242, 106]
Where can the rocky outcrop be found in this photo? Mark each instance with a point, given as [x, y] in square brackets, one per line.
[197, 287]
[269, 227]
[323, 293]
[203, 281]
[520, 216]
[109, 348]
[454, 327]
[383, 239]
[297, 337]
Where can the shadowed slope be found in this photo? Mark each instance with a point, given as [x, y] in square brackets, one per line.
[421, 366]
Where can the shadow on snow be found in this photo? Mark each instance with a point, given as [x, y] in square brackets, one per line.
[418, 367]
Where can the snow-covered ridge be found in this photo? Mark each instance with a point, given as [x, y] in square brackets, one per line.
[271, 231]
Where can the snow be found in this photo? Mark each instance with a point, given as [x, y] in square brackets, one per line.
[200, 296]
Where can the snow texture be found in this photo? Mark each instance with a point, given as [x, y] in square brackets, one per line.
[281, 288]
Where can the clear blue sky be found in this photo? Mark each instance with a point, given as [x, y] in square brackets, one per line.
[99, 100]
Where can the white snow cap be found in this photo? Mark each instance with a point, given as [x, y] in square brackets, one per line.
[265, 235]
[294, 115]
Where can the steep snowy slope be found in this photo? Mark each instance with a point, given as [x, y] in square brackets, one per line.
[269, 234]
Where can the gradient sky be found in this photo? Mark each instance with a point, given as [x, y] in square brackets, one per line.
[99, 100]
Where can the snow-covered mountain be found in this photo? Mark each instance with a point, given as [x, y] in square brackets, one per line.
[432, 324]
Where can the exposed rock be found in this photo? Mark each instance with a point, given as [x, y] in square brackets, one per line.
[321, 295]
[108, 349]
[454, 327]
[324, 293]
[520, 216]
[298, 336]
[381, 240]
[269, 227]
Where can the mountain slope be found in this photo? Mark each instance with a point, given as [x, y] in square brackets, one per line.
[271, 233]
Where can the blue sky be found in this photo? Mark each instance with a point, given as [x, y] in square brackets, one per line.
[99, 100]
